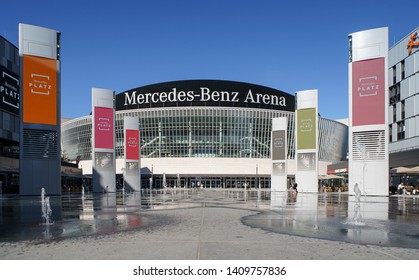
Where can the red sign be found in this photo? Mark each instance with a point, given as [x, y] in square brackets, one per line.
[132, 148]
[336, 171]
[104, 128]
[368, 88]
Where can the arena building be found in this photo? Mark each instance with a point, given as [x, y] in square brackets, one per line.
[210, 133]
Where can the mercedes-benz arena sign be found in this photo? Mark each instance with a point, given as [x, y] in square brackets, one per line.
[205, 93]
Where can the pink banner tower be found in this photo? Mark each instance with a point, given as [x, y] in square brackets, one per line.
[132, 174]
[103, 142]
[368, 112]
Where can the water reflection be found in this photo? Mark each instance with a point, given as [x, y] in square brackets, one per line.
[385, 220]
[73, 215]
[392, 221]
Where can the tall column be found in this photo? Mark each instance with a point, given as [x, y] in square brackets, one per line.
[103, 140]
[306, 130]
[132, 172]
[368, 110]
[279, 149]
[40, 114]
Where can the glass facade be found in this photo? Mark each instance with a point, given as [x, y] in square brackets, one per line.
[9, 104]
[204, 132]
[9, 116]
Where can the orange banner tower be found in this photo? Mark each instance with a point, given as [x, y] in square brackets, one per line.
[40, 152]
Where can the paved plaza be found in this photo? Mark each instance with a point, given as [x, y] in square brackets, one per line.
[213, 224]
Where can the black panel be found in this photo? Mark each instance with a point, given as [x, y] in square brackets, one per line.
[9, 91]
[211, 93]
[406, 158]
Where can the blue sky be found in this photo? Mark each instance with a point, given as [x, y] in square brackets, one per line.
[287, 45]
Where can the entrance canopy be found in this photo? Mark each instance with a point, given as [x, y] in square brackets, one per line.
[406, 170]
[330, 177]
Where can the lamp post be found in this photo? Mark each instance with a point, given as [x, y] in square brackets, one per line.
[152, 175]
[123, 177]
[257, 183]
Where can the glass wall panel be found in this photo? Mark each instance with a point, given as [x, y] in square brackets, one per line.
[204, 132]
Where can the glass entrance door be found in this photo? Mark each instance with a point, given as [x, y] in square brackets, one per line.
[206, 182]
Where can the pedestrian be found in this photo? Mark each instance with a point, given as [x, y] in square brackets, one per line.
[294, 187]
[400, 188]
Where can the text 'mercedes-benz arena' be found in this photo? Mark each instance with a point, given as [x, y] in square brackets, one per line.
[209, 93]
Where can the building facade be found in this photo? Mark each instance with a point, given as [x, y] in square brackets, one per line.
[9, 116]
[404, 101]
[204, 132]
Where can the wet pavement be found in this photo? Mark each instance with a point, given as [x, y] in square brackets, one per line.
[384, 221]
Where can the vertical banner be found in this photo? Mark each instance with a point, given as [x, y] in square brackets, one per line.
[368, 165]
[9, 91]
[40, 114]
[368, 99]
[103, 144]
[132, 174]
[279, 143]
[132, 138]
[306, 127]
[39, 90]
[306, 176]
[104, 127]
[279, 149]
